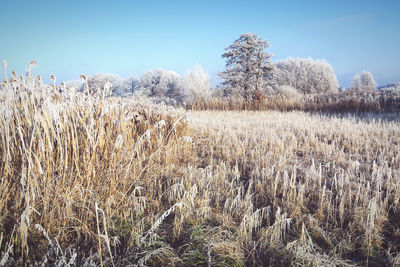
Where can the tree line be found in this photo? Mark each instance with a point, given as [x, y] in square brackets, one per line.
[249, 75]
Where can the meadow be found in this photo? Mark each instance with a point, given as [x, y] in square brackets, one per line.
[90, 180]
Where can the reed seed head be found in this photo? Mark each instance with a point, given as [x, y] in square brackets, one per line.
[32, 63]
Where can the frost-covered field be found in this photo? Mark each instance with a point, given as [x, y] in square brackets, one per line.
[95, 180]
[311, 189]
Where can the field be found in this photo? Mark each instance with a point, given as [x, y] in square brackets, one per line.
[322, 189]
[90, 181]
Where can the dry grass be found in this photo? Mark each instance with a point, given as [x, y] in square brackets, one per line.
[93, 180]
[346, 101]
[81, 169]
[322, 189]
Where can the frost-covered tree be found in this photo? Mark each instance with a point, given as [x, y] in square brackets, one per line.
[307, 75]
[160, 83]
[197, 84]
[363, 82]
[131, 84]
[247, 64]
[150, 83]
[356, 84]
[76, 84]
[97, 82]
[174, 84]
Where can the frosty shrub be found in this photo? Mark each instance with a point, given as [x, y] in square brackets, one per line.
[307, 75]
[288, 93]
[197, 85]
[363, 82]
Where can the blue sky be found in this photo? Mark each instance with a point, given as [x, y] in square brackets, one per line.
[69, 38]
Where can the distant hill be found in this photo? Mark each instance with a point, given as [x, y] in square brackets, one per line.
[390, 86]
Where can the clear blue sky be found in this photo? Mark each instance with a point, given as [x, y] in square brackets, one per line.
[69, 38]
